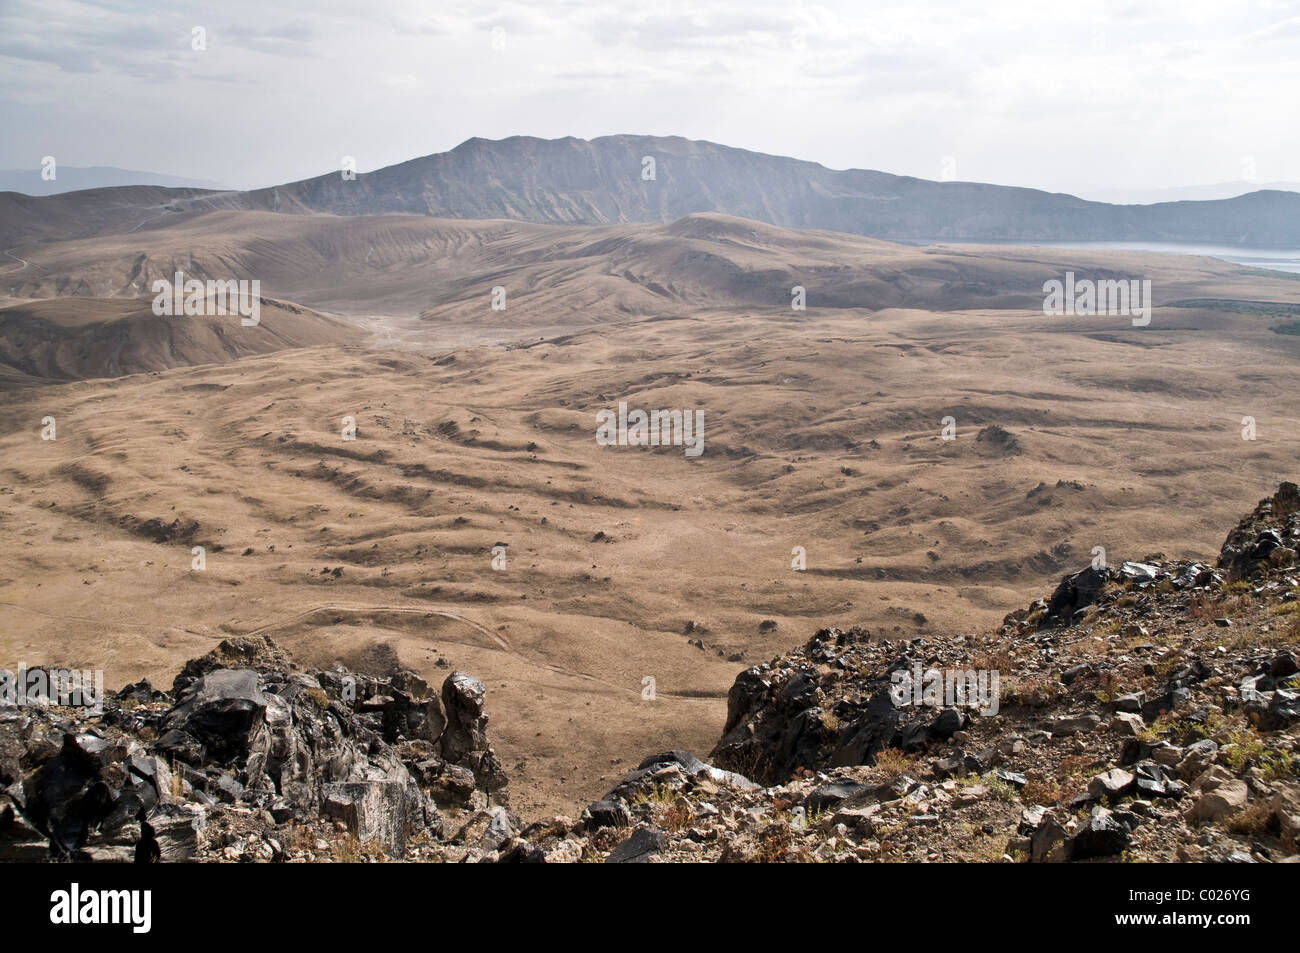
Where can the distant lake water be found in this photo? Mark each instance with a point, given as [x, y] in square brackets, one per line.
[1277, 259]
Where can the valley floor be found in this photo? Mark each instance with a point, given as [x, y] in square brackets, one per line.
[622, 564]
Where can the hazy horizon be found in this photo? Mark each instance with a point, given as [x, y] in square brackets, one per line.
[30, 182]
[1111, 97]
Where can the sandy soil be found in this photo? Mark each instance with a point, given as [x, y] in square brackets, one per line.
[823, 431]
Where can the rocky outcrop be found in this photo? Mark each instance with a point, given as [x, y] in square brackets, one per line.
[1148, 712]
[1268, 538]
[783, 715]
[464, 739]
[244, 758]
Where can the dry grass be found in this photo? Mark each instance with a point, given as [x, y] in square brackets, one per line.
[1252, 820]
[1034, 692]
[1046, 792]
[250, 453]
[892, 762]
[994, 660]
[346, 849]
[177, 782]
[774, 843]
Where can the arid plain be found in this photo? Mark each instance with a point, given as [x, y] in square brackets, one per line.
[475, 429]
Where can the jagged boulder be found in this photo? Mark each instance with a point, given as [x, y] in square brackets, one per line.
[258, 653]
[779, 718]
[464, 740]
[466, 730]
[221, 713]
[1273, 528]
[73, 793]
[248, 731]
[375, 811]
[1076, 592]
[1188, 737]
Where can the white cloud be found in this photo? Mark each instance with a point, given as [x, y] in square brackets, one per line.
[1116, 92]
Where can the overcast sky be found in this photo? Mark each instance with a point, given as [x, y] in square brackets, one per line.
[1141, 94]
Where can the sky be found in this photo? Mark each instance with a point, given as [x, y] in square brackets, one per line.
[1065, 97]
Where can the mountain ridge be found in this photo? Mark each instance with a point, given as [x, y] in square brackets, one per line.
[81, 178]
[607, 181]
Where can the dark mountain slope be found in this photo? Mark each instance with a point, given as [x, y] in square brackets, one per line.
[575, 181]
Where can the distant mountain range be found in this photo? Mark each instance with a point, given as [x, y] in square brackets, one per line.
[617, 179]
[1187, 193]
[74, 179]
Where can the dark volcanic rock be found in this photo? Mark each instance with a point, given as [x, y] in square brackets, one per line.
[832, 794]
[640, 846]
[1102, 835]
[1076, 591]
[272, 743]
[606, 813]
[374, 811]
[221, 711]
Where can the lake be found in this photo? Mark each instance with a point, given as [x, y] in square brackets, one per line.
[1277, 259]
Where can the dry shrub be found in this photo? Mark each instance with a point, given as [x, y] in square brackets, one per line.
[1251, 820]
[677, 816]
[892, 761]
[774, 843]
[1036, 692]
[1046, 792]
